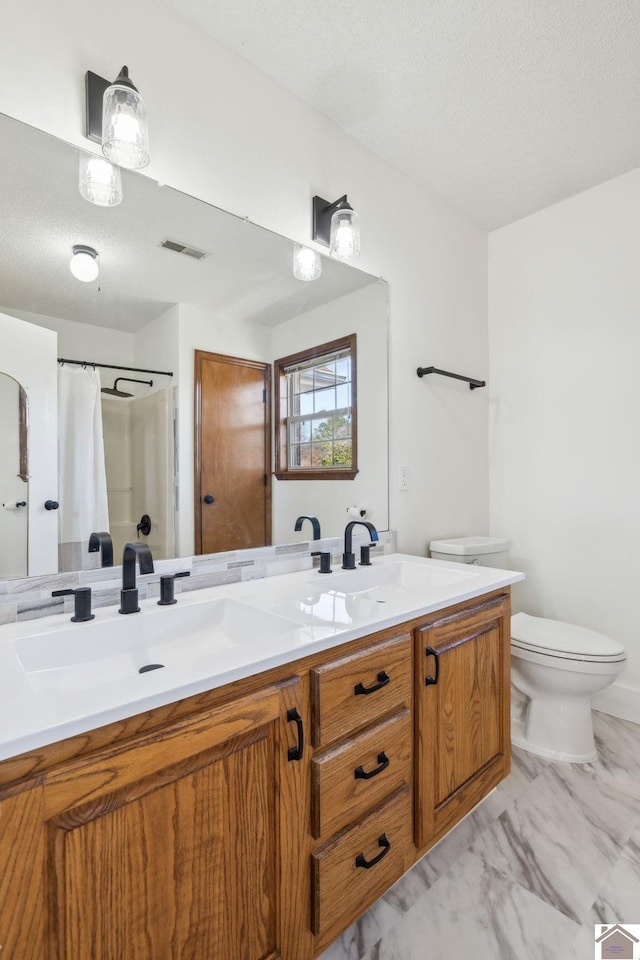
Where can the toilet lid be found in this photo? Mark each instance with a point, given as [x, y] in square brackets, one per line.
[556, 637]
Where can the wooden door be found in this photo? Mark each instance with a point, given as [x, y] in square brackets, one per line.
[462, 713]
[168, 848]
[232, 453]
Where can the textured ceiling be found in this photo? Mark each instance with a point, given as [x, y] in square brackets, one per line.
[501, 107]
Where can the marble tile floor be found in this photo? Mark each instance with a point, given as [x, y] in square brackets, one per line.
[554, 850]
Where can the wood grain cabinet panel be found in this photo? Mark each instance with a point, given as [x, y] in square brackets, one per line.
[354, 776]
[355, 690]
[23, 857]
[355, 867]
[165, 847]
[462, 711]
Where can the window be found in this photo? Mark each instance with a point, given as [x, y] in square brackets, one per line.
[316, 413]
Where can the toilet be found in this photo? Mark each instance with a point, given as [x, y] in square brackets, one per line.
[556, 668]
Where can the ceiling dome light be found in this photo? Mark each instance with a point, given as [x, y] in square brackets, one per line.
[84, 263]
[307, 263]
[99, 181]
[125, 134]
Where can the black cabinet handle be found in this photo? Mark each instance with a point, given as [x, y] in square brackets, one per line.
[429, 680]
[383, 680]
[295, 753]
[208, 498]
[367, 864]
[383, 761]
[51, 504]
[21, 503]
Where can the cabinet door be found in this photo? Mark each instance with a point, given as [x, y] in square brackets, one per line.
[462, 709]
[168, 848]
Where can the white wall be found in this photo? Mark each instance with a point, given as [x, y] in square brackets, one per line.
[229, 135]
[363, 313]
[564, 303]
[82, 341]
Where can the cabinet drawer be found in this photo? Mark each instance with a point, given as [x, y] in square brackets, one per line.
[350, 779]
[353, 869]
[359, 688]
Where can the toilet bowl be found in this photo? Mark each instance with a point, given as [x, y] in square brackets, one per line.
[555, 669]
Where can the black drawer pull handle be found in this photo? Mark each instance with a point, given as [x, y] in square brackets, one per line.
[367, 864]
[383, 761]
[383, 680]
[429, 680]
[295, 753]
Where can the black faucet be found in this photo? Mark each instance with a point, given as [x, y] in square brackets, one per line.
[315, 523]
[129, 592]
[102, 542]
[348, 557]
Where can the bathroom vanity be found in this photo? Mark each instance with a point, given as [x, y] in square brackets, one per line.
[261, 813]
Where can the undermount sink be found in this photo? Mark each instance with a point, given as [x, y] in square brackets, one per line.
[393, 580]
[89, 655]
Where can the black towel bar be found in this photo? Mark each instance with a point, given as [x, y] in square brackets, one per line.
[423, 371]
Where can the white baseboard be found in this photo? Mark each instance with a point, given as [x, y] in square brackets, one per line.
[619, 701]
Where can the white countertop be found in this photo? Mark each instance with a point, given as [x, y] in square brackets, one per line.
[50, 689]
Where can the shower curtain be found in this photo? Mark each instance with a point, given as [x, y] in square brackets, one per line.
[82, 482]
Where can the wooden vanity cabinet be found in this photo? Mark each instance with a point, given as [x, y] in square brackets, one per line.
[200, 831]
[166, 846]
[462, 698]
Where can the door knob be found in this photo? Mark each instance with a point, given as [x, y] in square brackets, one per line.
[208, 498]
[51, 504]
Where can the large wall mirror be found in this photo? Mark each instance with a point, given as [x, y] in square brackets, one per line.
[151, 444]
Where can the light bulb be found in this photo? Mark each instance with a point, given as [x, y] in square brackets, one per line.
[84, 263]
[99, 181]
[345, 235]
[125, 135]
[307, 263]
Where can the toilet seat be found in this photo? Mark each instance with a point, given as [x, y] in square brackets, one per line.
[563, 641]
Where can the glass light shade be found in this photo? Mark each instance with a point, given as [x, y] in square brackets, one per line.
[125, 134]
[307, 263]
[344, 242]
[84, 264]
[100, 182]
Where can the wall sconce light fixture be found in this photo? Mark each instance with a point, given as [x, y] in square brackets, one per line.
[307, 263]
[84, 263]
[117, 118]
[99, 181]
[337, 226]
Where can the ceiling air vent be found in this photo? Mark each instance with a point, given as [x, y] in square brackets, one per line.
[184, 249]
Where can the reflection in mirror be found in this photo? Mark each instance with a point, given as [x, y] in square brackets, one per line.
[14, 479]
[177, 276]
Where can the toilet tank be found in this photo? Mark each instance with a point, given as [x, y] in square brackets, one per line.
[485, 551]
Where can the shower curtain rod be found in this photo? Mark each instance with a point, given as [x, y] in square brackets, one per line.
[112, 366]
